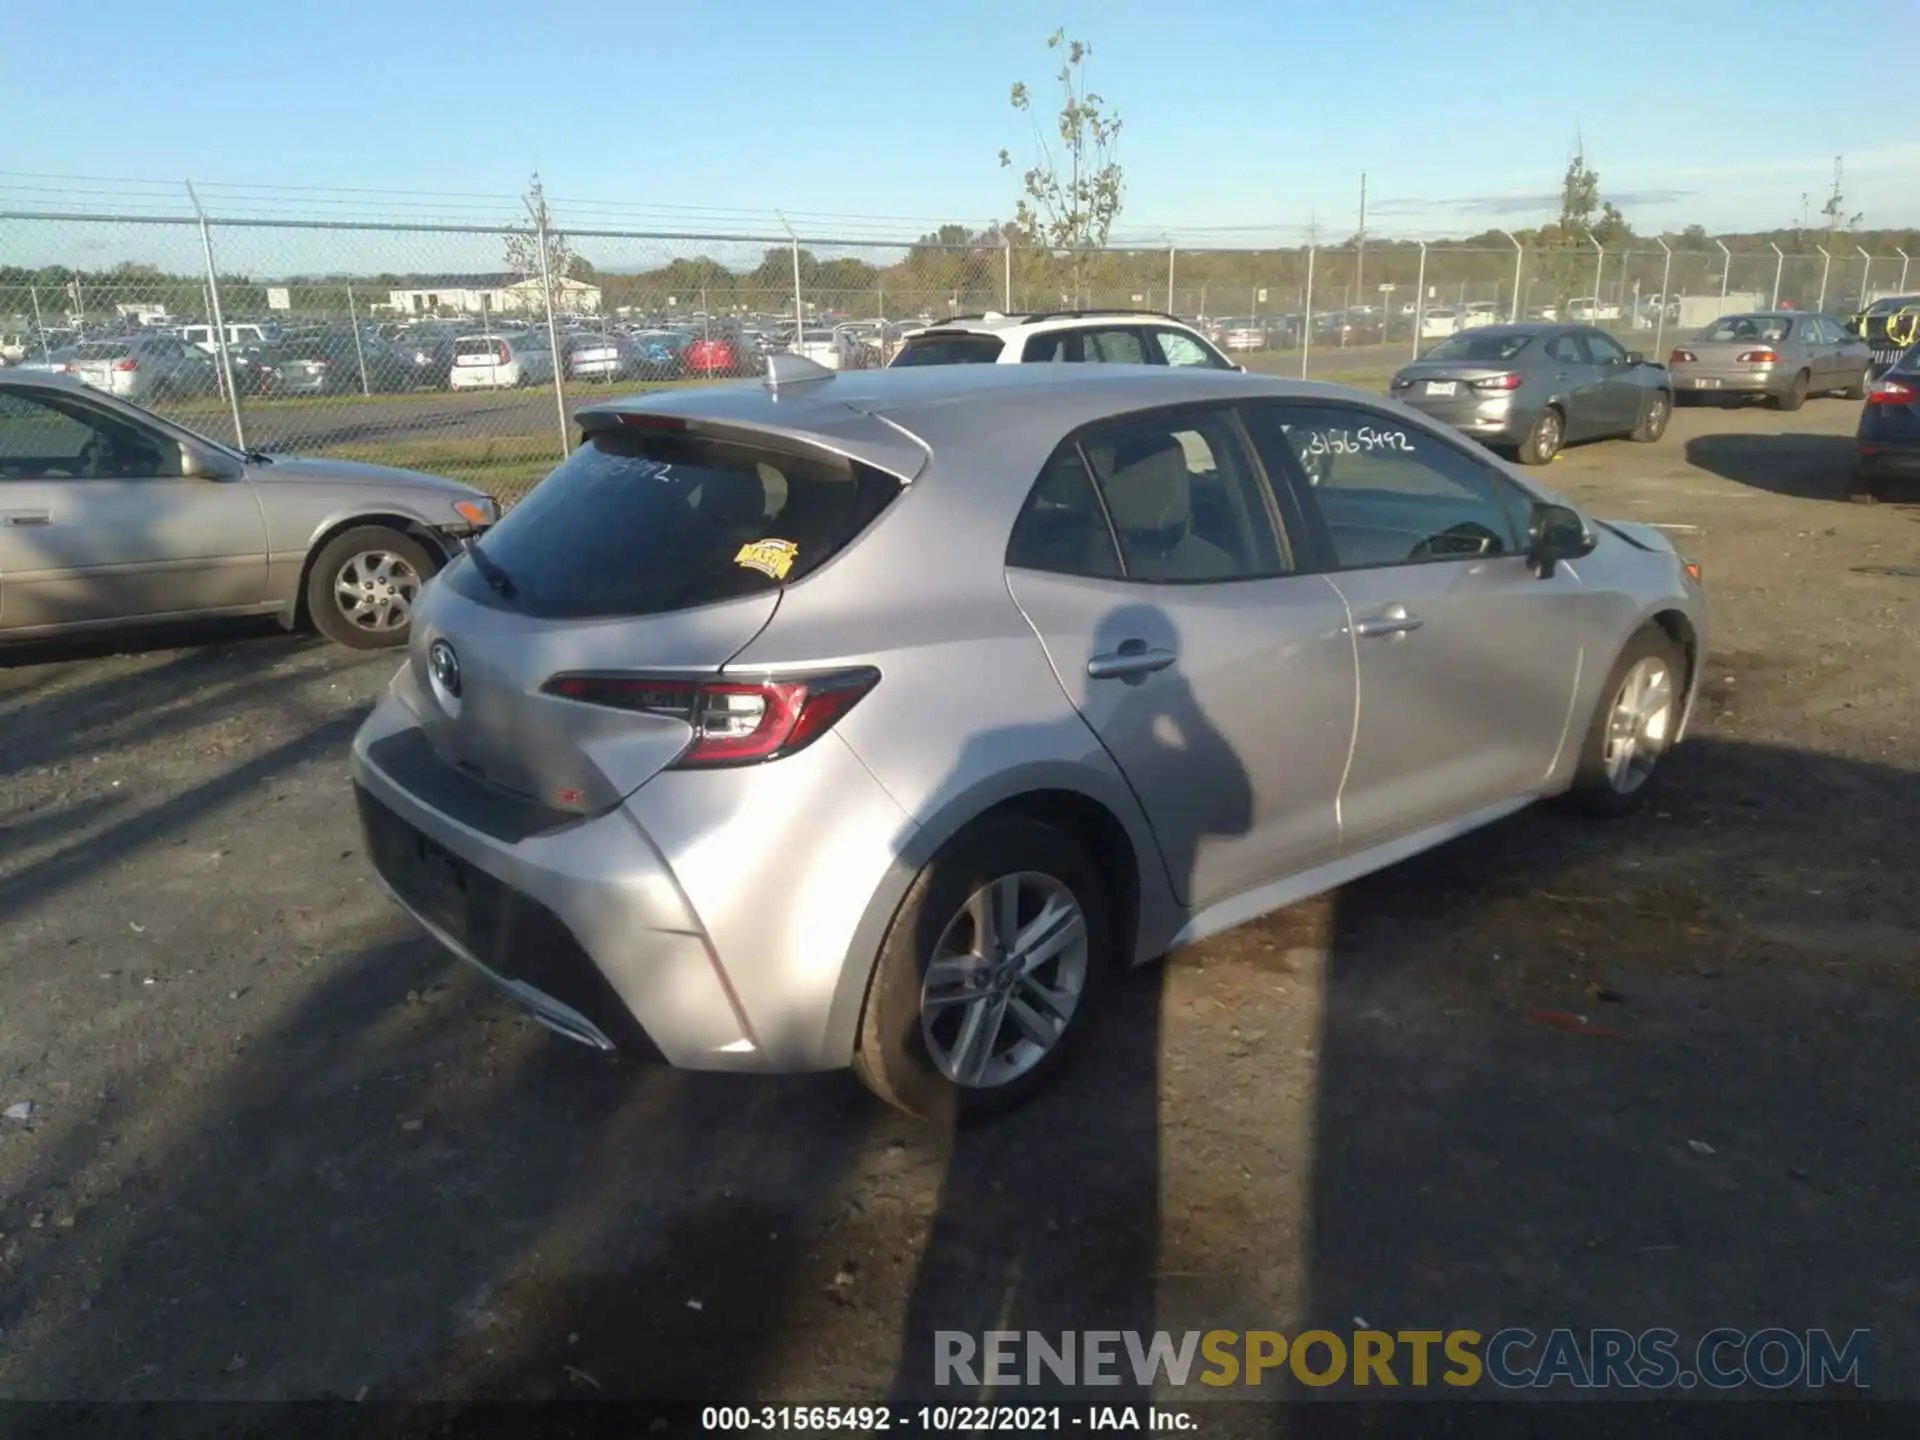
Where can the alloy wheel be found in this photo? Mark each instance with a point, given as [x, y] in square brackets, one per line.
[1639, 724]
[1005, 980]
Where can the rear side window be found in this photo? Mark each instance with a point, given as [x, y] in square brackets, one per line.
[1063, 529]
[951, 349]
[644, 522]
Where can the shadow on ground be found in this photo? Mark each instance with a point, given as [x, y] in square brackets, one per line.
[1806, 466]
[401, 1187]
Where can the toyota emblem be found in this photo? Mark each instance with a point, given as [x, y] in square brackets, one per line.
[445, 666]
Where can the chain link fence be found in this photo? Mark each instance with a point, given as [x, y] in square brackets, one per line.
[465, 349]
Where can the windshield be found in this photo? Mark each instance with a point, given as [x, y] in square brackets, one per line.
[1496, 348]
[1894, 302]
[644, 522]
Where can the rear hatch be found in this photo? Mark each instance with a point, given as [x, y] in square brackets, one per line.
[475, 351]
[594, 352]
[563, 661]
[96, 363]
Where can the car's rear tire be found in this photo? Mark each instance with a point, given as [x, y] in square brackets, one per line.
[1633, 726]
[1858, 389]
[1544, 438]
[1795, 395]
[363, 584]
[1865, 489]
[1653, 423]
[959, 1023]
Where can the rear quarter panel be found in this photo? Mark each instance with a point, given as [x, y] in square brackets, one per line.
[968, 713]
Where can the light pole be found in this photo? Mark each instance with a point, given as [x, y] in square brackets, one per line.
[1420, 300]
[1519, 259]
[1666, 294]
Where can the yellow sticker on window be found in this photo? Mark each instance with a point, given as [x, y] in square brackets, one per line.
[773, 558]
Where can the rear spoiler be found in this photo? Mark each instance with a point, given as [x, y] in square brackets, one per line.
[834, 432]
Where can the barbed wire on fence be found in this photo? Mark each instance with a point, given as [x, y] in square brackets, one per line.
[460, 340]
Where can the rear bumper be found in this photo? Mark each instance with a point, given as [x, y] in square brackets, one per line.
[1691, 379]
[718, 935]
[1888, 459]
[1492, 422]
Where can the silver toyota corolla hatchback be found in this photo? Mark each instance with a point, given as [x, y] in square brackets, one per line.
[875, 719]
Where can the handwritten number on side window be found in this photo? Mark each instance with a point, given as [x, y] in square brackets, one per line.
[1365, 440]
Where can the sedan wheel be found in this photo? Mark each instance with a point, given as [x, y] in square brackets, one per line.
[1634, 726]
[1640, 724]
[1544, 440]
[1004, 980]
[1654, 423]
[363, 585]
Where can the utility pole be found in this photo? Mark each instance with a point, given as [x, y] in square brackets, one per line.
[1360, 247]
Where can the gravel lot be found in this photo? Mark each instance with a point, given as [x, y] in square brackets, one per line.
[280, 1147]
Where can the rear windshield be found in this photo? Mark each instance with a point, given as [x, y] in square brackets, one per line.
[643, 522]
[1478, 347]
[1745, 327]
[103, 349]
[951, 349]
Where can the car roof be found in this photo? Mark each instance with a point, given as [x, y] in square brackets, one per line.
[894, 418]
[996, 323]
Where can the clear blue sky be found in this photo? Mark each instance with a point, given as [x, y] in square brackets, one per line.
[1237, 112]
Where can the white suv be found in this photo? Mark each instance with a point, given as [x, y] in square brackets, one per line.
[1112, 337]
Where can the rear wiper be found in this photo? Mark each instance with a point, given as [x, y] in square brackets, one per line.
[489, 570]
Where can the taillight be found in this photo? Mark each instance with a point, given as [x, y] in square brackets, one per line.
[1497, 382]
[500, 352]
[1759, 357]
[1682, 357]
[1887, 391]
[125, 365]
[734, 722]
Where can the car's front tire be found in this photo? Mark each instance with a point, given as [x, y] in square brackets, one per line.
[989, 974]
[363, 585]
[1633, 726]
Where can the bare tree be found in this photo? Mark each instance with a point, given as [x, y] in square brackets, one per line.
[523, 246]
[1075, 187]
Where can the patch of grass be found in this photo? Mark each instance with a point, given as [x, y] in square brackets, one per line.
[503, 466]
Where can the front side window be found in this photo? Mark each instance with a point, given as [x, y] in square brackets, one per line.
[1184, 498]
[60, 437]
[1604, 348]
[1391, 493]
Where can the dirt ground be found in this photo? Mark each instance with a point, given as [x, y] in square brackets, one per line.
[281, 1147]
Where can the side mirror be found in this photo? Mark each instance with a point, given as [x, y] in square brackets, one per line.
[196, 464]
[1556, 533]
[1635, 357]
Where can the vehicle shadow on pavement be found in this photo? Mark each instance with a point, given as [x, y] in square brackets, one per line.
[1806, 466]
[402, 1187]
[1649, 1072]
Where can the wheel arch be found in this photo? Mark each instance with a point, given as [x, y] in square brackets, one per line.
[1103, 819]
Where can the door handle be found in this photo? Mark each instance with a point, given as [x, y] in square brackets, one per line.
[1393, 620]
[26, 517]
[1134, 657]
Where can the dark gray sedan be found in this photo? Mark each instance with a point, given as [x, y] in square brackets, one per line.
[1533, 388]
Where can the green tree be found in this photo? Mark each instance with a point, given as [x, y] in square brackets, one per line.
[1075, 187]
